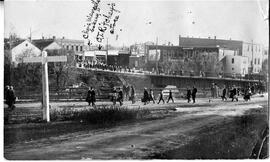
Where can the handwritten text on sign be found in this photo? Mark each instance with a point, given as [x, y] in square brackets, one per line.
[99, 21]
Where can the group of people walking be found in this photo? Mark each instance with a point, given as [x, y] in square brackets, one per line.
[191, 94]
[148, 97]
[127, 92]
[233, 92]
[91, 96]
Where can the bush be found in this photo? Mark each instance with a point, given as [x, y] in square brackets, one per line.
[99, 115]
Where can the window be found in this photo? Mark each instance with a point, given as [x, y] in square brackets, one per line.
[26, 44]
[81, 48]
[77, 48]
[232, 60]
[255, 61]
[247, 47]
[72, 47]
[232, 68]
[258, 61]
[67, 47]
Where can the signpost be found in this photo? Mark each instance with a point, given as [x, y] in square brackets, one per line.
[44, 59]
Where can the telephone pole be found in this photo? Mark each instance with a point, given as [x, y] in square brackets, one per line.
[157, 56]
[252, 65]
[107, 46]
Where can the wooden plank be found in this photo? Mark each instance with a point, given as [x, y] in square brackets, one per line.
[57, 59]
[32, 59]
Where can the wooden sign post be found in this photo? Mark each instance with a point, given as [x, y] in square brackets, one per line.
[44, 59]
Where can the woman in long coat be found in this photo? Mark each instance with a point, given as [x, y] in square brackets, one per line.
[132, 95]
[88, 97]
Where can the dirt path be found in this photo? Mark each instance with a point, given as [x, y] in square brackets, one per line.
[132, 141]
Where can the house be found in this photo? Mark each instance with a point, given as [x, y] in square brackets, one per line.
[49, 45]
[24, 49]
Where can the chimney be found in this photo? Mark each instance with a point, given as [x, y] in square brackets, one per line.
[53, 37]
[215, 37]
[209, 37]
[42, 37]
[63, 37]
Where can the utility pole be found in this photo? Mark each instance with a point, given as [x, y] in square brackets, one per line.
[252, 65]
[157, 56]
[30, 36]
[107, 46]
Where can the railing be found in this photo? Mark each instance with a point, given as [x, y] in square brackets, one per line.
[120, 69]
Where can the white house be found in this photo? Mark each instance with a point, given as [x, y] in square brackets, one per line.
[24, 49]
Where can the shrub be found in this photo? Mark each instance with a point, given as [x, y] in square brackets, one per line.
[99, 115]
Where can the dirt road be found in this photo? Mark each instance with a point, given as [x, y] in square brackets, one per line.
[147, 139]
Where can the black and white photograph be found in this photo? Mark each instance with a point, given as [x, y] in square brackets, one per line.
[135, 79]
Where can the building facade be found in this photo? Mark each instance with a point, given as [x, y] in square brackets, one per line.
[234, 65]
[253, 51]
[71, 44]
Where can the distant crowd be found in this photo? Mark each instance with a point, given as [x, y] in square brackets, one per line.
[128, 93]
[102, 66]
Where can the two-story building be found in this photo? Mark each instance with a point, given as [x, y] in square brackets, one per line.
[253, 51]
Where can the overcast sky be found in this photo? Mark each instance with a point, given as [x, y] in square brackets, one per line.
[238, 20]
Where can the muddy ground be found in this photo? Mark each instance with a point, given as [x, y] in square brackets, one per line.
[216, 130]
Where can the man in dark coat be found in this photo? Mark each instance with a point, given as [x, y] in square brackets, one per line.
[93, 96]
[233, 94]
[224, 91]
[88, 96]
[6, 91]
[170, 97]
[120, 97]
[10, 98]
[145, 98]
[161, 97]
[188, 95]
[193, 94]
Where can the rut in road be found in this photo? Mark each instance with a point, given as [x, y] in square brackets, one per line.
[137, 139]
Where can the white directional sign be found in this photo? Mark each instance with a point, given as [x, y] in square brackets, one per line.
[45, 86]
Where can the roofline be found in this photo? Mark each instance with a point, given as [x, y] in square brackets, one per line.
[211, 39]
